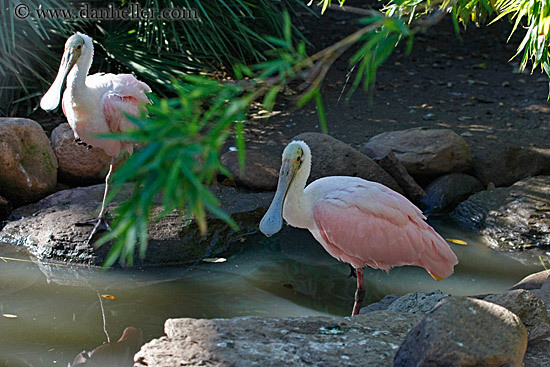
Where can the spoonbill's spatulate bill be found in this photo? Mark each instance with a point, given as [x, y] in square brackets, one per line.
[95, 104]
[357, 221]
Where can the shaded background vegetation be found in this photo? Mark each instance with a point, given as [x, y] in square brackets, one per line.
[228, 32]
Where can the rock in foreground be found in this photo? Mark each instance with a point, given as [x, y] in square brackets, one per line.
[28, 166]
[48, 229]
[366, 340]
[464, 331]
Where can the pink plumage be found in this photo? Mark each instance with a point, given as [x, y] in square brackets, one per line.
[357, 221]
[95, 105]
[368, 224]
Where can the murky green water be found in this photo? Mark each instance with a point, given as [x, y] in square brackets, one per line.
[51, 313]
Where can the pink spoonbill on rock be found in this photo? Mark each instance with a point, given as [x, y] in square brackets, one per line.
[95, 104]
[356, 221]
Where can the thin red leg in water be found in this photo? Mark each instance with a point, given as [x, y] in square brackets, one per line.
[359, 293]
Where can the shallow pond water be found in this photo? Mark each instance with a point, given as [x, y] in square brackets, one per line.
[49, 313]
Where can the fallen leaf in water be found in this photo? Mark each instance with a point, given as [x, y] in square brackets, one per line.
[458, 242]
[107, 296]
[9, 316]
[214, 260]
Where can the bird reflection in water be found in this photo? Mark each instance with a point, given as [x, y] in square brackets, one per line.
[118, 354]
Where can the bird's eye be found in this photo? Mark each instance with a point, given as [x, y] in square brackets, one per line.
[79, 47]
[298, 159]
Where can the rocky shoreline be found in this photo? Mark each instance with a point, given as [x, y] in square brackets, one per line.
[508, 329]
[433, 167]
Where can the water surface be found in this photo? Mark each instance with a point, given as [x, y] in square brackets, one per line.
[53, 312]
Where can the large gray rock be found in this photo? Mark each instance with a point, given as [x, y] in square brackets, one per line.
[446, 192]
[529, 308]
[261, 170]
[511, 218]
[464, 331]
[366, 340]
[506, 165]
[332, 157]
[28, 167]
[48, 229]
[77, 164]
[425, 153]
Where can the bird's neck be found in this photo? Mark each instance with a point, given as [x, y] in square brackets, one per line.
[76, 80]
[297, 209]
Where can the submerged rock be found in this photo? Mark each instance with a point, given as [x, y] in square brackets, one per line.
[367, 340]
[332, 157]
[464, 331]
[511, 218]
[28, 166]
[47, 229]
[425, 153]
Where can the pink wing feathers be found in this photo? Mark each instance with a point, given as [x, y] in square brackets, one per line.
[125, 95]
[375, 226]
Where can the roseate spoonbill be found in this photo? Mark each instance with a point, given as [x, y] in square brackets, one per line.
[357, 221]
[95, 104]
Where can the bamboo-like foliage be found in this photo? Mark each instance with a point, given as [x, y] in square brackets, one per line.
[25, 59]
[184, 134]
[156, 50]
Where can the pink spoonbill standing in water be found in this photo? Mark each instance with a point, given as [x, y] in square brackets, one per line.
[95, 104]
[357, 221]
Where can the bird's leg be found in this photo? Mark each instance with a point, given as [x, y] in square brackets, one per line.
[352, 272]
[359, 293]
[100, 224]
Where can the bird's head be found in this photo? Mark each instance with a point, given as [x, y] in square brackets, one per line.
[77, 45]
[295, 156]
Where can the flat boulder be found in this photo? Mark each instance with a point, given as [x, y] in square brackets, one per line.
[514, 218]
[367, 340]
[28, 166]
[332, 157]
[78, 165]
[425, 153]
[47, 228]
[446, 192]
[261, 170]
[463, 331]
